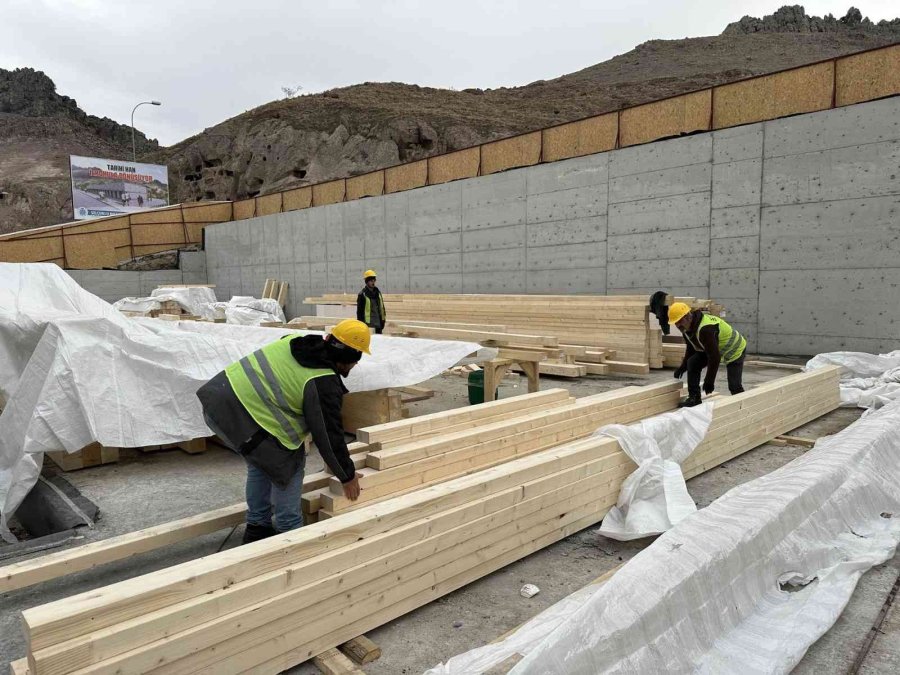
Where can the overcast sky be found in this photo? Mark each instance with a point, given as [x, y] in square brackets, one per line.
[208, 60]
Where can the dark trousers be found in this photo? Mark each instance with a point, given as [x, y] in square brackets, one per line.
[698, 361]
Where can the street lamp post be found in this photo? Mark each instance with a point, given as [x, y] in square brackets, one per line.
[133, 147]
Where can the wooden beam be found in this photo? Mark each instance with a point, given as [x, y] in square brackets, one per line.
[30, 572]
[272, 605]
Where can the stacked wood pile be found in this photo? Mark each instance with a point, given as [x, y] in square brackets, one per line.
[596, 334]
[278, 602]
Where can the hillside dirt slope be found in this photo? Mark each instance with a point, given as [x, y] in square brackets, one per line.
[356, 129]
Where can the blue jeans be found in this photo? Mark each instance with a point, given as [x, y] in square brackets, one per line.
[263, 496]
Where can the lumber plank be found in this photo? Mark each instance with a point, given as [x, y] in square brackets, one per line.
[30, 572]
[355, 537]
[439, 420]
[470, 533]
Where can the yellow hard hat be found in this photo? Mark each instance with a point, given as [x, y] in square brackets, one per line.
[369, 273]
[677, 311]
[355, 334]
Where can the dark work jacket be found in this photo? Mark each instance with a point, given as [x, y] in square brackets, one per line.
[708, 338]
[373, 293]
[322, 403]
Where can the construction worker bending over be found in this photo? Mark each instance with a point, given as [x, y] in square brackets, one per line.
[708, 340]
[264, 406]
[370, 304]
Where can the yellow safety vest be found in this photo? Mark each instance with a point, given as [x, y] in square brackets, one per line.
[368, 308]
[731, 342]
[269, 384]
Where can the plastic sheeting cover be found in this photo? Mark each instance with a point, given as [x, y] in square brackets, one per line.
[867, 380]
[73, 371]
[745, 585]
[655, 497]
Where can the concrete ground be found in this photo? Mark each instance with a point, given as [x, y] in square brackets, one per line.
[147, 489]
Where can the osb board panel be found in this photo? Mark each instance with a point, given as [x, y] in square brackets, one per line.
[367, 185]
[764, 98]
[509, 153]
[406, 176]
[31, 250]
[662, 119]
[170, 215]
[299, 198]
[804, 90]
[207, 213]
[102, 225]
[158, 233]
[864, 77]
[245, 208]
[268, 204]
[195, 232]
[123, 253]
[33, 233]
[96, 250]
[585, 137]
[454, 165]
[331, 192]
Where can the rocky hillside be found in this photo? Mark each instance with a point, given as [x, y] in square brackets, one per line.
[352, 130]
[39, 129]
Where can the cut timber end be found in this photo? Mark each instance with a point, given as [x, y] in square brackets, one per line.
[333, 662]
[362, 650]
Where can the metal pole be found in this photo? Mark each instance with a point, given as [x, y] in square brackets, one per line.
[133, 146]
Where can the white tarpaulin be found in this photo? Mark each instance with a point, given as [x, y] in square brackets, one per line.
[199, 301]
[655, 497]
[867, 380]
[73, 371]
[743, 586]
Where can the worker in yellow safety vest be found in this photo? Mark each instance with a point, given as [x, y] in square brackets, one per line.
[266, 404]
[370, 304]
[708, 339]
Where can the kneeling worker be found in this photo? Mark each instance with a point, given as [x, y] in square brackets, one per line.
[263, 407]
[708, 340]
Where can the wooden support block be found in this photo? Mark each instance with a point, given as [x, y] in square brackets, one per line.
[362, 650]
[333, 662]
[414, 394]
[595, 368]
[91, 455]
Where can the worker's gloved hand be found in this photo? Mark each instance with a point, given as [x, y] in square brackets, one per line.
[679, 372]
[351, 488]
[709, 387]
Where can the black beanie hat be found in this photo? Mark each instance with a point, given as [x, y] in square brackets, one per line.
[341, 353]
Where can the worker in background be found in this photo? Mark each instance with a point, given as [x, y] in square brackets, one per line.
[370, 304]
[708, 339]
[264, 406]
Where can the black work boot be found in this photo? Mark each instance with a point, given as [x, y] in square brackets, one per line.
[256, 532]
[690, 402]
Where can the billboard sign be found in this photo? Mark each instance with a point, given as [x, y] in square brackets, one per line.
[110, 187]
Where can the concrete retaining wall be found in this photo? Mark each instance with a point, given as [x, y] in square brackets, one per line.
[793, 224]
[113, 285]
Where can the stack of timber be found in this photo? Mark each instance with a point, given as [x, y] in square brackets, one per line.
[615, 332]
[268, 606]
[424, 451]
